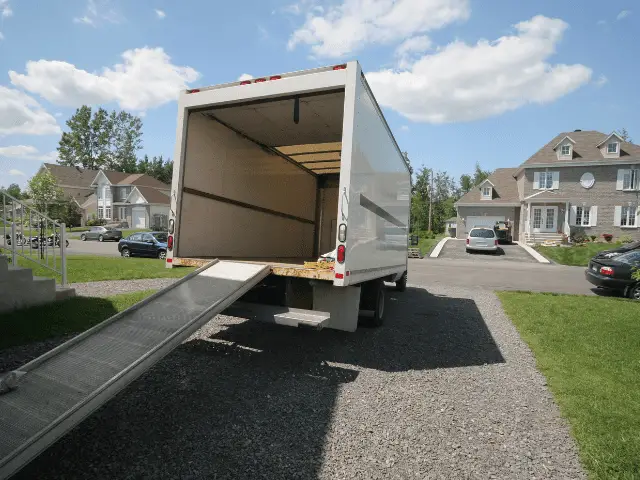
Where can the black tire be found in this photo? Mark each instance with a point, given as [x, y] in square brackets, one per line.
[83, 237]
[162, 254]
[373, 299]
[66, 242]
[125, 252]
[101, 238]
[401, 284]
[634, 292]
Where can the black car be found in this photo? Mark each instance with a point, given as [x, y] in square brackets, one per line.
[627, 247]
[615, 273]
[143, 244]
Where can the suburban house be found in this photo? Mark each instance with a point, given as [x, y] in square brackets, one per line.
[138, 199]
[583, 179]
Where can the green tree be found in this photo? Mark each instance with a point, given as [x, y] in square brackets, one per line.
[14, 190]
[480, 175]
[625, 135]
[44, 191]
[66, 211]
[466, 183]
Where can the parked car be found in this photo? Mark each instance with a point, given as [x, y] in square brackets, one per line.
[101, 234]
[615, 273]
[614, 252]
[143, 244]
[482, 239]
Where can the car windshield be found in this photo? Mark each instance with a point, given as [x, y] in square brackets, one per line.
[481, 233]
[109, 228]
[161, 237]
[630, 258]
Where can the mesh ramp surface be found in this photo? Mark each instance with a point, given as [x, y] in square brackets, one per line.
[65, 385]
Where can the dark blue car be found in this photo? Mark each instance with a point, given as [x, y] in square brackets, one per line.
[144, 244]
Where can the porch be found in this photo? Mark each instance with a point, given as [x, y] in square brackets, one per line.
[545, 221]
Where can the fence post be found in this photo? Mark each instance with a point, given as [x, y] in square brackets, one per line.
[63, 252]
[13, 244]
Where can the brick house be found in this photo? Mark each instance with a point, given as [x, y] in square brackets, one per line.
[584, 179]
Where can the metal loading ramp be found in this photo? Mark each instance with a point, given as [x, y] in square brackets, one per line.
[62, 387]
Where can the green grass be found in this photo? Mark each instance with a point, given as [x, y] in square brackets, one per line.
[62, 318]
[426, 244]
[577, 256]
[94, 268]
[589, 350]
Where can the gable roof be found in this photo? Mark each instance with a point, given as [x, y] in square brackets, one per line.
[137, 179]
[505, 189]
[562, 140]
[72, 176]
[612, 134]
[585, 149]
[486, 180]
[152, 195]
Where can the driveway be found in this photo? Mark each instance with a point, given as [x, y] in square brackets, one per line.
[456, 249]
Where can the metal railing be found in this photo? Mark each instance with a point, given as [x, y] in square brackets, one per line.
[30, 234]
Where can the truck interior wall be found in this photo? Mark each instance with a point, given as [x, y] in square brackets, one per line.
[220, 162]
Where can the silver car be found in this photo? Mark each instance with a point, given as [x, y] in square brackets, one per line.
[483, 239]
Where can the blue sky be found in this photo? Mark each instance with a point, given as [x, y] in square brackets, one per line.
[460, 81]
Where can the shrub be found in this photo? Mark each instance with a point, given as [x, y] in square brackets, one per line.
[577, 235]
[593, 237]
[626, 239]
[607, 236]
[96, 222]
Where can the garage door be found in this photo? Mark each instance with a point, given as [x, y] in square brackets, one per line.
[482, 221]
[139, 218]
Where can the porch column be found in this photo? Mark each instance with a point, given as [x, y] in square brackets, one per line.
[566, 229]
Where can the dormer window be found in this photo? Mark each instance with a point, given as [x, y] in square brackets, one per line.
[486, 193]
[612, 147]
[566, 150]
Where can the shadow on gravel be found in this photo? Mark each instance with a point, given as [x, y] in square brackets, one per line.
[256, 400]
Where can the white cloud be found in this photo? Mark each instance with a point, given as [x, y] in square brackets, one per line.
[16, 173]
[601, 23]
[349, 26]
[404, 128]
[623, 14]
[1, 36]
[145, 79]
[27, 152]
[58, 114]
[160, 13]
[97, 11]
[245, 76]
[6, 10]
[463, 82]
[602, 80]
[411, 46]
[19, 113]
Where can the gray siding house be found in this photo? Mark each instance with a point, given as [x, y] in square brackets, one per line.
[583, 179]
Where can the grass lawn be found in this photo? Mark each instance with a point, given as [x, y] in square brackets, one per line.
[94, 268]
[589, 350]
[62, 318]
[426, 244]
[577, 256]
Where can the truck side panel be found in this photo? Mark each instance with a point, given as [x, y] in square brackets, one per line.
[377, 185]
[218, 163]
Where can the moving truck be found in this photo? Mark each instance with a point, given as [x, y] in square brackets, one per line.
[282, 170]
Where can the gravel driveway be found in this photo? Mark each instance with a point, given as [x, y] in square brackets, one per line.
[115, 287]
[446, 389]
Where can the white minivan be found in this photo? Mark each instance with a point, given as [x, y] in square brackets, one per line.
[483, 239]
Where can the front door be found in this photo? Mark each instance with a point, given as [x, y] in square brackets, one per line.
[544, 219]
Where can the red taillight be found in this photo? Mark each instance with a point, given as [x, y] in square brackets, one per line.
[340, 67]
[275, 77]
[245, 82]
[195, 90]
[259, 80]
[169, 260]
[467, 241]
[496, 243]
[170, 242]
[341, 253]
[339, 275]
[607, 271]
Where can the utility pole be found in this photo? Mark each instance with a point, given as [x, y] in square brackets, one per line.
[430, 198]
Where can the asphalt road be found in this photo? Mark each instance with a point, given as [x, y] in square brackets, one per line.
[456, 250]
[78, 247]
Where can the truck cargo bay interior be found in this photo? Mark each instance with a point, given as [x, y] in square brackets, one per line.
[261, 178]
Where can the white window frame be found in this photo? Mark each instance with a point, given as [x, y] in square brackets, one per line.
[583, 216]
[100, 192]
[633, 175]
[546, 178]
[631, 216]
[107, 212]
[100, 212]
[616, 146]
[122, 215]
[486, 195]
[562, 152]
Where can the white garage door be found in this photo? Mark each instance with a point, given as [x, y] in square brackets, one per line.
[482, 221]
[139, 218]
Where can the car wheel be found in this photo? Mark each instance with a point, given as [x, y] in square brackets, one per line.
[634, 292]
[162, 255]
[101, 238]
[83, 237]
[125, 252]
[401, 285]
[373, 299]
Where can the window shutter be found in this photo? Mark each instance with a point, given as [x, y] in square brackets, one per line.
[620, 180]
[572, 215]
[616, 216]
[536, 181]
[556, 180]
[593, 216]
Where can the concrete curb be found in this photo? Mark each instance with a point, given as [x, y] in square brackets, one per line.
[533, 253]
[438, 248]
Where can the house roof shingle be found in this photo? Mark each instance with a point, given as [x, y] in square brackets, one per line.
[584, 150]
[137, 179]
[73, 176]
[505, 189]
[152, 195]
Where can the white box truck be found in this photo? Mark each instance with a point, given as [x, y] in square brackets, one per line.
[284, 169]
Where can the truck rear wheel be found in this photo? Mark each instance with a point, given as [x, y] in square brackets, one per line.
[373, 300]
[401, 284]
